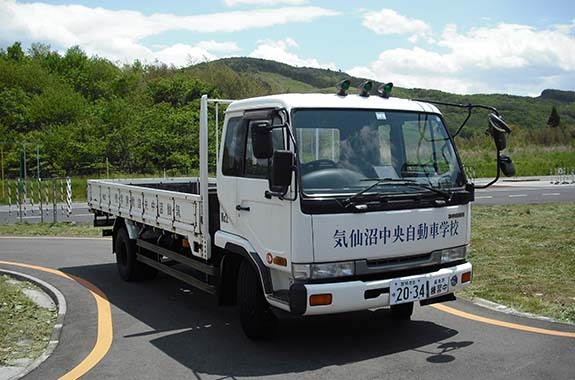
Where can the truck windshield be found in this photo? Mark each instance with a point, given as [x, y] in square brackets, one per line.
[339, 149]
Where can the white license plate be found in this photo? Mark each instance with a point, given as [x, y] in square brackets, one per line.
[410, 289]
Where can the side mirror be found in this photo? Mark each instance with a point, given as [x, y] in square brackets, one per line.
[262, 143]
[506, 165]
[498, 129]
[282, 171]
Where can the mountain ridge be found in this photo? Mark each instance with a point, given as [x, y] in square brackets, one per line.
[267, 77]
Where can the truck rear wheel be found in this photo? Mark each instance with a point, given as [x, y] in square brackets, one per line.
[402, 312]
[129, 267]
[257, 319]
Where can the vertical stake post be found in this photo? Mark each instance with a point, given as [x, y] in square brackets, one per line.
[54, 200]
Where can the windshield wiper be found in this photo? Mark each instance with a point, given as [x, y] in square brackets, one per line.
[394, 182]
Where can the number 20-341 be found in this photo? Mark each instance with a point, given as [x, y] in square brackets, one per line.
[404, 292]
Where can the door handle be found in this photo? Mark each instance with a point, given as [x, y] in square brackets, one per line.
[242, 208]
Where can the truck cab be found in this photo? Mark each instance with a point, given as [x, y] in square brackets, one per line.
[375, 211]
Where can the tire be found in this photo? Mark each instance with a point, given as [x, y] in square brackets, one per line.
[129, 267]
[402, 312]
[257, 319]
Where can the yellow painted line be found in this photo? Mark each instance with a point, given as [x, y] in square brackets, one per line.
[105, 328]
[495, 322]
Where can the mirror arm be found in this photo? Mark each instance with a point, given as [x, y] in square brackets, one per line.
[468, 106]
[496, 177]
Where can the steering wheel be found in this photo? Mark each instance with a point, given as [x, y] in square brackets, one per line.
[318, 165]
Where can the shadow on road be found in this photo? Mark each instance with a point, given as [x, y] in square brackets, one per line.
[187, 325]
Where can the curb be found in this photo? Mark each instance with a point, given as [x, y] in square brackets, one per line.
[60, 302]
[508, 310]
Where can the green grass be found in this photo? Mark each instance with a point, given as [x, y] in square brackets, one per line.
[25, 328]
[524, 257]
[529, 160]
[49, 229]
[281, 84]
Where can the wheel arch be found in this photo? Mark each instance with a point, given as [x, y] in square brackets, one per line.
[237, 249]
[130, 227]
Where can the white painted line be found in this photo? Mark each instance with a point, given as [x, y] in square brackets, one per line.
[550, 194]
[517, 195]
[484, 197]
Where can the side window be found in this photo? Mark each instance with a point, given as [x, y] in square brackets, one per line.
[259, 168]
[233, 148]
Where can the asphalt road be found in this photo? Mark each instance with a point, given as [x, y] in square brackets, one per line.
[165, 330]
[503, 192]
[525, 192]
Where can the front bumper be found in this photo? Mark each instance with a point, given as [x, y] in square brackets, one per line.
[360, 295]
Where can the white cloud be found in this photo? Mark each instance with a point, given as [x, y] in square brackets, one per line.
[231, 3]
[183, 55]
[510, 46]
[388, 21]
[117, 35]
[279, 51]
[505, 58]
[224, 47]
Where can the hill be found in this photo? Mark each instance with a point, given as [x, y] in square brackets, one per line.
[275, 77]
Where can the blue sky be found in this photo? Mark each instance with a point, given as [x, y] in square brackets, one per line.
[516, 47]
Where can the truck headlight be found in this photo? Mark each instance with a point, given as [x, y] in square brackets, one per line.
[454, 254]
[323, 270]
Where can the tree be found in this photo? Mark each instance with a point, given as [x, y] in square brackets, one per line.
[554, 120]
[15, 52]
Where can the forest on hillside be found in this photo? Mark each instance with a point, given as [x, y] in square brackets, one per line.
[84, 113]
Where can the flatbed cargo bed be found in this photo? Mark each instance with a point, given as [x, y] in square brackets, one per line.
[171, 204]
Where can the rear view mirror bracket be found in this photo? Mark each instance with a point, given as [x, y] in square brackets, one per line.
[497, 129]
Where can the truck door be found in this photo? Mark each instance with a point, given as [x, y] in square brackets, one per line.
[265, 222]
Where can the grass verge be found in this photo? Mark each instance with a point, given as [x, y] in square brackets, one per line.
[49, 229]
[524, 257]
[25, 327]
[529, 161]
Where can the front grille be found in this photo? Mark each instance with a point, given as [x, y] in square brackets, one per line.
[398, 260]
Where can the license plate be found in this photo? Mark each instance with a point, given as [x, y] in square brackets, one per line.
[411, 289]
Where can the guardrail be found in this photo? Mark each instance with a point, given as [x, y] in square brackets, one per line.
[42, 197]
[562, 176]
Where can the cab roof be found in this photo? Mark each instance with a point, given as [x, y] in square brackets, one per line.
[292, 101]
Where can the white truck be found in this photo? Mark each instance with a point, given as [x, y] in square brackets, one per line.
[322, 203]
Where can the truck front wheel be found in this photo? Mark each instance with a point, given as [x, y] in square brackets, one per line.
[257, 319]
[129, 267]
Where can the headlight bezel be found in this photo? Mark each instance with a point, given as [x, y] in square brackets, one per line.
[320, 271]
[449, 255]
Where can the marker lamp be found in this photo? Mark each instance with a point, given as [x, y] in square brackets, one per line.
[342, 87]
[366, 88]
[454, 254]
[323, 270]
[385, 90]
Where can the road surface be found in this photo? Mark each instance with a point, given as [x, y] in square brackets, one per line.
[164, 329]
